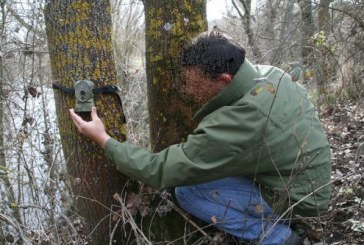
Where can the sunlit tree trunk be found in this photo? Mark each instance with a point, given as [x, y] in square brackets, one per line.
[169, 25]
[80, 47]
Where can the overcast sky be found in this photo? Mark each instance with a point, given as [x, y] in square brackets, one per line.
[215, 9]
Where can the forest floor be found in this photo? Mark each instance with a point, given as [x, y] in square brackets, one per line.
[344, 223]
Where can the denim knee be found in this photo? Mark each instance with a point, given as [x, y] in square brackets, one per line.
[182, 194]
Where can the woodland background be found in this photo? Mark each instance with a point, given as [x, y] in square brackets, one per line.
[321, 40]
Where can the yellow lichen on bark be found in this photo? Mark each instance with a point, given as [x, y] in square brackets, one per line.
[82, 9]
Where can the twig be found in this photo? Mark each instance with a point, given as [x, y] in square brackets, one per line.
[113, 231]
[48, 210]
[16, 227]
[184, 215]
[126, 214]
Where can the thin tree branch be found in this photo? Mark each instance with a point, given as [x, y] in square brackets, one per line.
[24, 23]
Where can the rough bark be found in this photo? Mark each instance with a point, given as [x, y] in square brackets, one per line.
[169, 25]
[80, 47]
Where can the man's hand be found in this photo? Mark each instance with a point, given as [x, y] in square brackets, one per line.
[93, 129]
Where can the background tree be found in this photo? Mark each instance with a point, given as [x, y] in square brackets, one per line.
[325, 62]
[80, 47]
[128, 33]
[246, 17]
[129, 47]
[288, 33]
[307, 29]
[349, 33]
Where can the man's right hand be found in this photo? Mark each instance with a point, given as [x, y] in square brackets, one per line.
[93, 129]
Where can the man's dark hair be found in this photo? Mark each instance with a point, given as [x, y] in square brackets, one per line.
[214, 53]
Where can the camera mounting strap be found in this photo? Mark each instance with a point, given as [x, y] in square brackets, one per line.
[63, 89]
[82, 97]
[108, 89]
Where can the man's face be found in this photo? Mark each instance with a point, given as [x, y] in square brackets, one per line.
[199, 88]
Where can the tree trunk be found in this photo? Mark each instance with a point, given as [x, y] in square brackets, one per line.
[308, 29]
[274, 50]
[324, 23]
[325, 66]
[246, 19]
[169, 25]
[286, 33]
[80, 47]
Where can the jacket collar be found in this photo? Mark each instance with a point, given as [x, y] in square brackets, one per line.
[242, 82]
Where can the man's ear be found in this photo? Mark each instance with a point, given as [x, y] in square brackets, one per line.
[225, 78]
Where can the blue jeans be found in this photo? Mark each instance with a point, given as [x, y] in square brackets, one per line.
[235, 206]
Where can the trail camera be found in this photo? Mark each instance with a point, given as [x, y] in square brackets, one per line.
[84, 95]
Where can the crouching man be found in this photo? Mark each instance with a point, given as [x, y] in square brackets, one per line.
[259, 157]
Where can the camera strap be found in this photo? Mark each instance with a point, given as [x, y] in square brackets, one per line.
[63, 89]
[108, 89]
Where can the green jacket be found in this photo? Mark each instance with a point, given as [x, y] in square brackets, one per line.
[261, 125]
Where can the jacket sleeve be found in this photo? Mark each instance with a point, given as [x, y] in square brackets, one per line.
[215, 150]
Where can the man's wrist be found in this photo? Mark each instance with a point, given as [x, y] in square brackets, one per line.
[103, 139]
